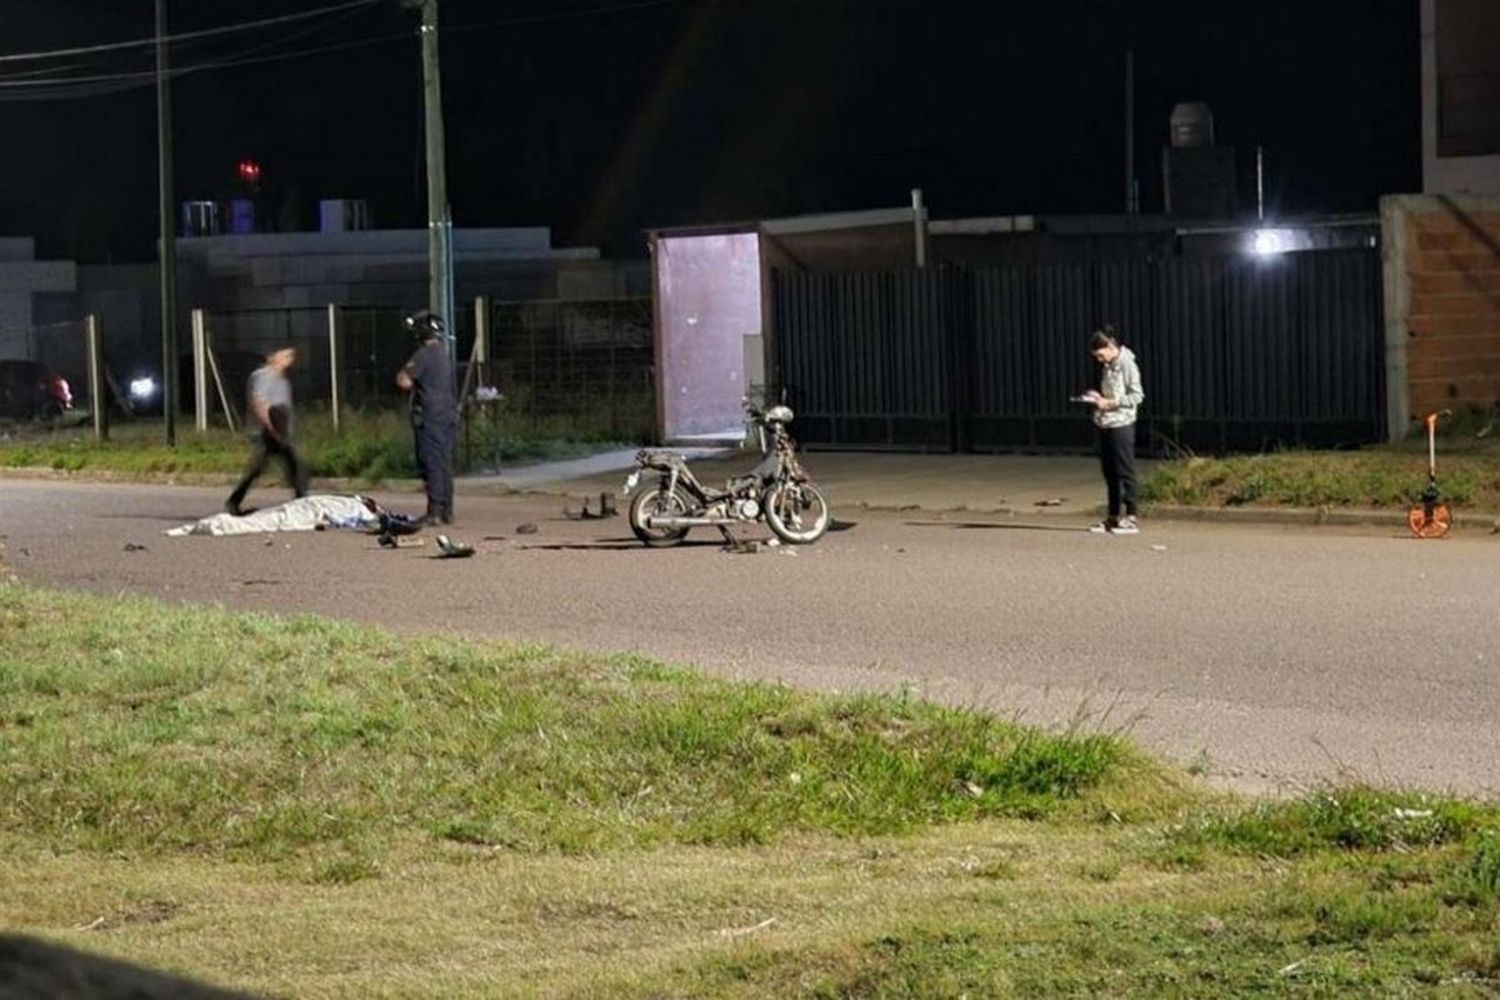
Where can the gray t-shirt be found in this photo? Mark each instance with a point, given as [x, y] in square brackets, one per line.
[274, 390]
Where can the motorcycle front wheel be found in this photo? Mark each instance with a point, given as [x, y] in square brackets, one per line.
[797, 513]
[659, 502]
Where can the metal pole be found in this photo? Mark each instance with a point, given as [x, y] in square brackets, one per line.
[213, 369]
[919, 221]
[439, 275]
[96, 377]
[1260, 183]
[1131, 205]
[168, 233]
[450, 307]
[333, 362]
[482, 330]
[200, 370]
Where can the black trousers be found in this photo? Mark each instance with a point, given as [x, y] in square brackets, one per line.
[1117, 458]
[263, 450]
[435, 459]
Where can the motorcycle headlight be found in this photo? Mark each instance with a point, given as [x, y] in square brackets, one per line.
[142, 388]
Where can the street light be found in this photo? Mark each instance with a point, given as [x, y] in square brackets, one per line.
[1269, 242]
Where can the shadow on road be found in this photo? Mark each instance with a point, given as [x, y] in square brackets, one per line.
[612, 545]
[976, 525]
[164, 518]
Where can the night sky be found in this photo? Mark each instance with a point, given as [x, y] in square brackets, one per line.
[604, 117]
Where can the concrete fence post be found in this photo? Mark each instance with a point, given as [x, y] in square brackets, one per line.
[333, 362]
[97, 398]
[200, 369]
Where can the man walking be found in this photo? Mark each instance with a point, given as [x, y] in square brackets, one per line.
[268, 417]
[428, 376]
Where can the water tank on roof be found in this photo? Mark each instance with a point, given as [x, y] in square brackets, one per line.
[1192, 125]
[202, 218]
[343, 215]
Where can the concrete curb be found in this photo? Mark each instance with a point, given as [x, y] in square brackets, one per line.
[193, 479]
[1467, 521]
[1315, 516]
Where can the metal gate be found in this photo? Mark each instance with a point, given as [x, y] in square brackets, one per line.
[1236, 353]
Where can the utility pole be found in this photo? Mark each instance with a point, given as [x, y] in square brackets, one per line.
[168, 241]
[1132, 205]
[439, 259]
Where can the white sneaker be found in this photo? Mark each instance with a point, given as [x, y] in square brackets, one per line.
[1104, 527]
[1126, 526]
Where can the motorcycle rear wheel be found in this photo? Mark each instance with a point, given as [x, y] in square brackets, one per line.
[656, 502]
[797, 513]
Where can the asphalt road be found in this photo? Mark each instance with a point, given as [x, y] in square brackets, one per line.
[1277, 656]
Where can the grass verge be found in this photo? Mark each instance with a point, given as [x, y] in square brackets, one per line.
[301, 807]
[1373, 478]
[369, 446]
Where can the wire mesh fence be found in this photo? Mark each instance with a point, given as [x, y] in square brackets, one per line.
[565, 369]
[582, 365]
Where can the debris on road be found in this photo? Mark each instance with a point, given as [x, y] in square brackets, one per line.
[526, 529]
[606, 509]
[449, 549]
[134, 547]
[1051, 502]
[1158, 548]
[394, 542]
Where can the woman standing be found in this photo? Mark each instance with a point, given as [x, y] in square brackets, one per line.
[1115, 403]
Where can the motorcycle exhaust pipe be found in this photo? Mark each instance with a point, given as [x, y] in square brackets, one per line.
[657, 521]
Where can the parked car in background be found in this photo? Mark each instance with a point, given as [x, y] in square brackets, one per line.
[28, 391]
[142, 384]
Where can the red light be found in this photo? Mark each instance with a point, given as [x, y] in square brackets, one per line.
[249, 171]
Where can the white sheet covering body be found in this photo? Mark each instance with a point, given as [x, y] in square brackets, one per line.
[304, 514]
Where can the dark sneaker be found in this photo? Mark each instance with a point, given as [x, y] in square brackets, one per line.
[1127, 526]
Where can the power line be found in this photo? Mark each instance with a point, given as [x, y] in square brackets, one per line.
[95, 85]
[184, 37]
[20, 81]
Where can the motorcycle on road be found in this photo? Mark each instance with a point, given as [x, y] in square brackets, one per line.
[778, 491]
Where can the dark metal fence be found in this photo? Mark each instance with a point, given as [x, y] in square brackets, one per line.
[1237, 353]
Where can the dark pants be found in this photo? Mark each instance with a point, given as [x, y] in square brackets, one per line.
[265, 448]
[1117, 457]
[435, 460]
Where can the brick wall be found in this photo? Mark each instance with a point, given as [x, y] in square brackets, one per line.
[1442, 277]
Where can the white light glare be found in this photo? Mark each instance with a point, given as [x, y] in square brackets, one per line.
[142, 388]
[1269, 241]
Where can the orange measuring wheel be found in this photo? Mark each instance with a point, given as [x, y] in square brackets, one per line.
[1429, 523]
[1431, 518]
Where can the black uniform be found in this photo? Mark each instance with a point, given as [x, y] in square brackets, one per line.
[434, 416]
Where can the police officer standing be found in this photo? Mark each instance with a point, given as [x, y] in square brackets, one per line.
[428, 376]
